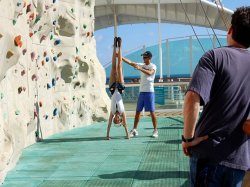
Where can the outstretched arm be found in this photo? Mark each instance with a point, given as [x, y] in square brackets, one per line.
[129, 62]
[136, 66]
[124, 123]
[109, 125]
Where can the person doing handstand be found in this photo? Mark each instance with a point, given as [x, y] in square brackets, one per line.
[116, 88]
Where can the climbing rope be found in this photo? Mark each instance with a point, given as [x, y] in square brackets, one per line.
[209, 23]
[191, 25]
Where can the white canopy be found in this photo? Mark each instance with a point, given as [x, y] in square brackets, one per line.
[145, 11]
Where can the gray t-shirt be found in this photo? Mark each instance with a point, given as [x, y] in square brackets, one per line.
[222, 79]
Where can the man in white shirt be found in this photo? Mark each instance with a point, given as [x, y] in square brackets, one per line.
[116, 87]
[146, 97]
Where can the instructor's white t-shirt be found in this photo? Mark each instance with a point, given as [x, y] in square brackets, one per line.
[117, 103]
[147, 81]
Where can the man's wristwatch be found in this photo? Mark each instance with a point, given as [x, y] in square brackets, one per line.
[186, 140]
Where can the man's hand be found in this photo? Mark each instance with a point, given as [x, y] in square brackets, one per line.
[196, 141]
[137, 67]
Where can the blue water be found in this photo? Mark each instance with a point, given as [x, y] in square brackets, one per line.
[178, 55]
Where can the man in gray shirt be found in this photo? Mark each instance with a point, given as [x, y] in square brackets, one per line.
[219, 149]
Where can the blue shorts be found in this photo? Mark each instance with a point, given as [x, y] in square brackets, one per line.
[146, 100]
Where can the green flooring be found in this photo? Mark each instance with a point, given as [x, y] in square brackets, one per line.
[82, 157]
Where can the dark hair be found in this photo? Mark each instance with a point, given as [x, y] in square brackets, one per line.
[241, 26]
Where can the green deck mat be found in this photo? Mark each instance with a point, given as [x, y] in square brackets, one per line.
[82, 157]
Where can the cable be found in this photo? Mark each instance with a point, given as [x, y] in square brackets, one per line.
[191, 26]
[209, 22]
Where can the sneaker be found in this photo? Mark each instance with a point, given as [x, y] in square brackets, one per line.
[119, 42]
[115, 42]
[155, 133]
[133, 133]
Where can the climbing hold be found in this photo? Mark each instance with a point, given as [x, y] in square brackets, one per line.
[53, 82]
[20, 89]
[18, 4]
[32, 55]
[37, 19]
[18, 41]
[46, 116]
[24, 51]
[13, 22]
[48, 86]
[84, 26]
[1, 95]
[59, 54]
[54, 1]
[43, 63]
[47, 59]
[55, 112]
[72, 10]
[42, 38]
[28, 9]
[57, 42]
[17, 112]
[54, 58]
[23, 73]
[51, 36]
[44, 53]
[24, 89]
[30, 34]
[32, 16]
[34, 77]
[77, 50]
[35, 114]
[9, 54]
[40, 103]
[54, 22]
[1, 35]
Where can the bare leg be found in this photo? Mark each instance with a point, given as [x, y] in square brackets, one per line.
[137, 119]
[154, 119]
[113, 72]
[109, 125]
[119, 68]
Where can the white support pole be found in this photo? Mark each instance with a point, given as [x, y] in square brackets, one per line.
[159, 38]
[167, 59]
[115, 19]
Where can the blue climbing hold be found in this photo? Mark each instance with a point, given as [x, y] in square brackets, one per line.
[57, 42]
[54, 58]
[48, 86]
[47, 59]
[53, 82]
[55, 112]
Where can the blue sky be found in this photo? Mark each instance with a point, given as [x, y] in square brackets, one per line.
[136, 35]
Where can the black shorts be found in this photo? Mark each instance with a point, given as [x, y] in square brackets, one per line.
[115, 85]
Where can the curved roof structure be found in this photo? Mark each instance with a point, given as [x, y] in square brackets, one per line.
[145, 11]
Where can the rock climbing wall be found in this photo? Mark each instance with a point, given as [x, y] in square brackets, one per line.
[50, 77]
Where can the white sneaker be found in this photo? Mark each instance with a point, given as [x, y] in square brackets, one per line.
[133, 133]
[155, 133]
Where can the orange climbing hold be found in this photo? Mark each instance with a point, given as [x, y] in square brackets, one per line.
[18, 41]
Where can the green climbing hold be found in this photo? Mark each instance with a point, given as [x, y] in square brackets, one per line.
[51, 36]
[17, 112]
[37, 19]
[1, 95]
[72, 10]
[84, 26]
[13, 22]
